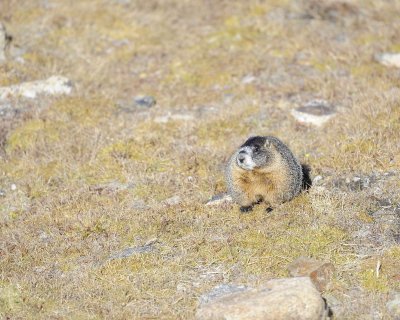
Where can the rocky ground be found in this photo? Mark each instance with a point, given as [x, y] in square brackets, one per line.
[116, 119]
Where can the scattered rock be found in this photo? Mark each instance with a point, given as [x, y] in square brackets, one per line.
[393, 306]
[139, 204]
[290, 298]
[148, 247]
[13, 187]
[356, 183]
[173, 201]
[389, 59]
[111, 187]
[219, 200]
[145, 101]
[2, 193]
[315, 112]
[54, 85]
[5, 39]
[317, 179]
[177, 117]
[319, 272]
[248, 79]
[219, 291]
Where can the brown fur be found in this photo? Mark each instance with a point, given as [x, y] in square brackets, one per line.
[264, 183]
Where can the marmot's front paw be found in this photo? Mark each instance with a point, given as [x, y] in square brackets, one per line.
[246, 208]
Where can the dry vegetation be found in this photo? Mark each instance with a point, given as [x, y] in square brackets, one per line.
[92, 176]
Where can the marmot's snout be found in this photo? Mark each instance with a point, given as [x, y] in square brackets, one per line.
[244, 158]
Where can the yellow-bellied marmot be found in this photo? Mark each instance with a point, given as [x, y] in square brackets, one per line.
[263, 169]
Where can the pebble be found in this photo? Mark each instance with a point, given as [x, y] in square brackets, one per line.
[219, 291]
[248, 79]
[4, 38]
[126, 253]
[173, 201]
[315, 112]
[145, 101]
[13, 187]
[219, 200]
[389, 59]
[176, 117]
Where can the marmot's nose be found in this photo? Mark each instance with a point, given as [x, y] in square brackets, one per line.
[241, 158]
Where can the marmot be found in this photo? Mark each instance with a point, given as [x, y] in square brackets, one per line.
[263, 169]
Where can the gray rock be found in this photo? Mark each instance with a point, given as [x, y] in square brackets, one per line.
[173, 201]
[219, 291]
[389, 59]
[145, 101]
[111, 187]
[320, 272]
[219, 200]
[55, 85]
[2, 193]
[315, 112]
[290, 298]
[175, 117]
[126, 253]
[317, 179]
[4, 41]
[393, 306]
[248, 79]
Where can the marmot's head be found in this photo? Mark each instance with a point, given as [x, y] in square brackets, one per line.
[255, 153]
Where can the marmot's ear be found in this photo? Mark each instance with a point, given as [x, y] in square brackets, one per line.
[268, 144]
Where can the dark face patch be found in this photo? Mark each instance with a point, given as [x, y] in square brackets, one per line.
[260, 154]
[254, 141]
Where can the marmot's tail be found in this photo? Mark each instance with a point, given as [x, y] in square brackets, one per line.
[307, 182]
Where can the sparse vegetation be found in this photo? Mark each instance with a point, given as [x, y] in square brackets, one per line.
[92, 172]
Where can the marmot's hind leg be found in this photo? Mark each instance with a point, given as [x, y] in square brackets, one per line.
[247, 208]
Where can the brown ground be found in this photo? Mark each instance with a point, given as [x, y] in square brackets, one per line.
[92, 171]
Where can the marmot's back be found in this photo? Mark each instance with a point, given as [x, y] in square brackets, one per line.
[263, 169]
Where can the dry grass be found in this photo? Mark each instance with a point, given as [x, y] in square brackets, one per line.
[91, 178]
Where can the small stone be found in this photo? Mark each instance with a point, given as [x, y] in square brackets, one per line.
[219, 200]
[55, 85]
[290, 298]
[315, 112]
[219, 291]
[389, 59]
[393, 306]
[248, 79]
[173, 201]
[176, 117]
[145, 101]
[13, 187]
[126, 253]
[319, 272]
[4, 40]
[317, 179]
[2, 193]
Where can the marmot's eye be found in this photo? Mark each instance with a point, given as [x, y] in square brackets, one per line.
[256, 148]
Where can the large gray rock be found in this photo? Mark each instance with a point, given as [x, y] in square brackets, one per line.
[289, 298]
[55, 85]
